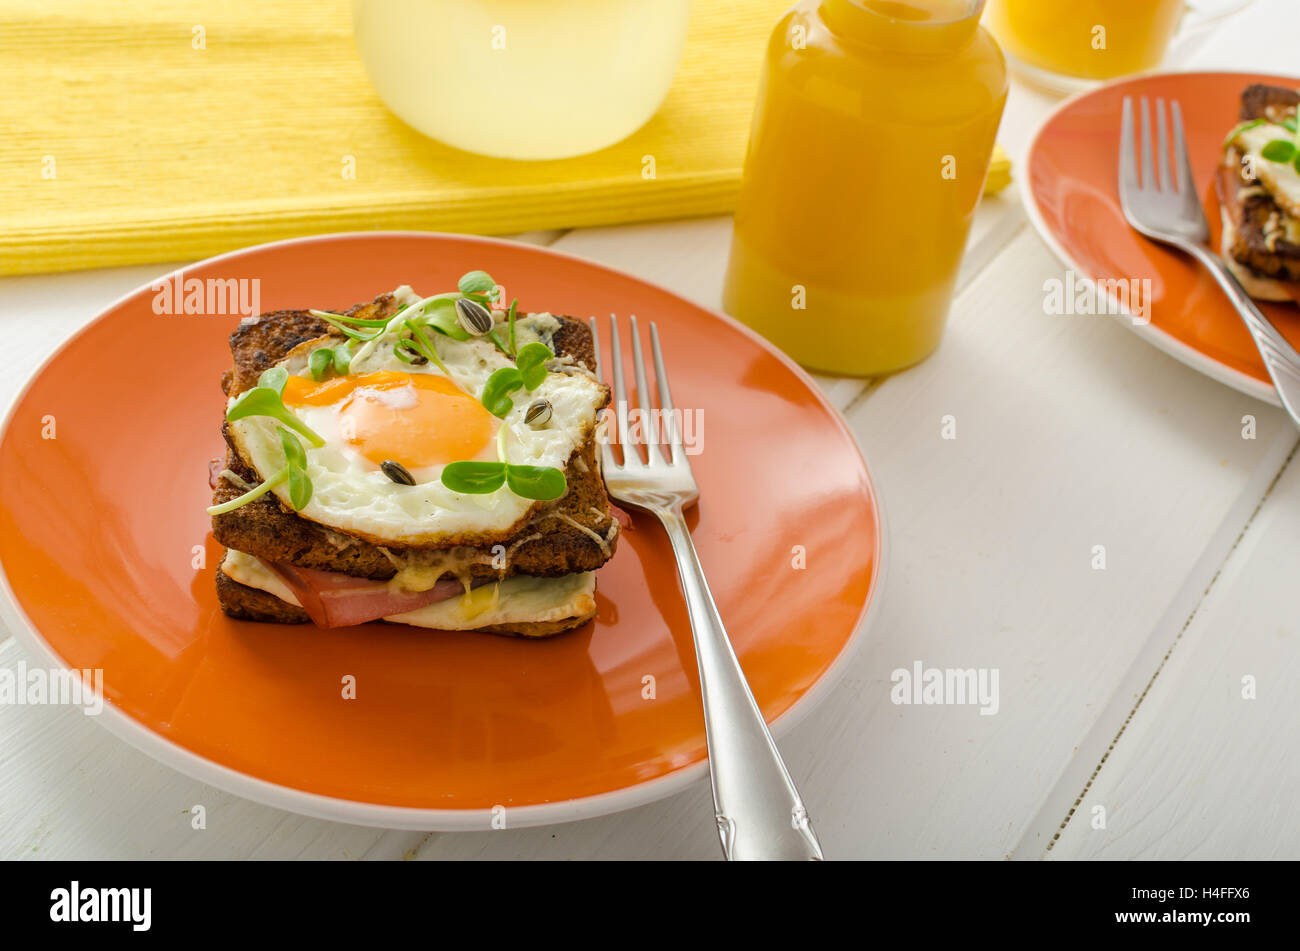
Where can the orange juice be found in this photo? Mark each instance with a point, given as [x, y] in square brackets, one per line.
[871, 139]
[1087, 39]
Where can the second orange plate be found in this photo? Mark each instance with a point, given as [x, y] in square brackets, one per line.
[1071, 191]
[108, 562]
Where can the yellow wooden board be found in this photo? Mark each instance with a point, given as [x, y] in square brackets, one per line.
[122, 143]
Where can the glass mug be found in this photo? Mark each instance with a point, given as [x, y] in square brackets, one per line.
[522, 79]
[1070, 45]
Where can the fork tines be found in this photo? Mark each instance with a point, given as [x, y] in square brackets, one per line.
[1162, 199]
[650, 430]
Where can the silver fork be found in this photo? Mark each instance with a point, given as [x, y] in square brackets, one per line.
[1168, 210]
[758, 810]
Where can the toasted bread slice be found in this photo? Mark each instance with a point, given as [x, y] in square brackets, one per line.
[1261, 101]
[572, 534]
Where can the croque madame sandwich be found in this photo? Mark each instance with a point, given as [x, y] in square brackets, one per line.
[1258, 186]
[427, 461]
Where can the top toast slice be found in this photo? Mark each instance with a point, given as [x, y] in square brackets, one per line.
[573, 533]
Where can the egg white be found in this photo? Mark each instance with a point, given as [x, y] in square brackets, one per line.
[1280, 178]
[352, 495]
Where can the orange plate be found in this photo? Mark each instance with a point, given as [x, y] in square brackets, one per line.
[103, 538]
[1071, 192]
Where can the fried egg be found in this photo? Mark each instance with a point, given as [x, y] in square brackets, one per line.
[1282, 179]
[385, 409]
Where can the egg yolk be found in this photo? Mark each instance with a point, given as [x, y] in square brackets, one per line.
[416, 419]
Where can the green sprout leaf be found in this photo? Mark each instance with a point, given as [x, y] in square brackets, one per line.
[294, 454]
[531, 361]
[441, 316]
[251, 495]
[342, 359]
[348, 325]
[542, 483]
[295, 471]
[474, 478]
[407, 353]
[1243, 127]
[295, 461]
[424, 345]
[497, 390]
[320, 363]
[263, 400]
[476, 282]
[1279, 150]
[274, 378]
[350, 320]
[492, 335]
[299, 489]
[510, 322]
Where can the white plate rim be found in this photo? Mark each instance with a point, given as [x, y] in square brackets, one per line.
[355, 812]
[1162, 340]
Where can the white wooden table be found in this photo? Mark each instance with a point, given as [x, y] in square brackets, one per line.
[1120, 688]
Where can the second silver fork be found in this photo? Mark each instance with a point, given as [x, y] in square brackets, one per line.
[1168, 210]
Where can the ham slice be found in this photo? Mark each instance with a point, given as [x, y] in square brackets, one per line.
[619, 515]
[332, 599]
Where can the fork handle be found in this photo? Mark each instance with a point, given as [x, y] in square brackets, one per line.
[758, 809]
[1280, 358]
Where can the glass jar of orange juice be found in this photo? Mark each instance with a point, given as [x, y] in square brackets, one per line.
[871, 139]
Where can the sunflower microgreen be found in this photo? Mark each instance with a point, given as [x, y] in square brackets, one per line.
[476, 282]
[294, 472]
[440, 314]
[325, 359]
[320, 363]
[422, 345]
[437, 313]
[531, 361]
[527, 374]
[540, 483]
[496, 341]
[496, 391]
[266, 399]
[274, 378]
[342, 359]
[350, 326]
[252, 494]
[1240, 128]
[474, 478]
[1278, 150]
[295, 464]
